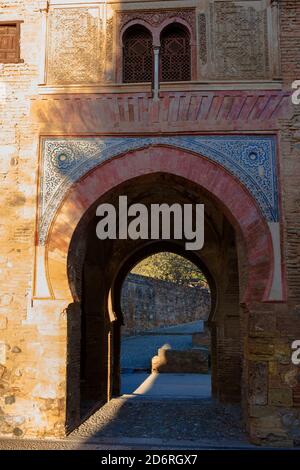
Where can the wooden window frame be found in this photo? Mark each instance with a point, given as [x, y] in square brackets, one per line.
[18, 59]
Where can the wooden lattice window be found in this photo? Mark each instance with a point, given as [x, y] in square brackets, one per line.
[175, 54]
[137, 55]
[10, 42]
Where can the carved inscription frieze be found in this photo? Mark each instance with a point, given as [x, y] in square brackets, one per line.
[156, 17]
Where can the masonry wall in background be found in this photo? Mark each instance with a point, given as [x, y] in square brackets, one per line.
[149, 303]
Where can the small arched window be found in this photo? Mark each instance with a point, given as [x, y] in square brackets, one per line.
[137, 55]
[175, 54]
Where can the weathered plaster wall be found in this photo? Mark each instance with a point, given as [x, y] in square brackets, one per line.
[32, 345]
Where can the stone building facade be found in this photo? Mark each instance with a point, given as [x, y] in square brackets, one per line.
[88, 112]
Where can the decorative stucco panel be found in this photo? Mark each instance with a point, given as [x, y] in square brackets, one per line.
[251, 159]
[76, 46]
[239, 35]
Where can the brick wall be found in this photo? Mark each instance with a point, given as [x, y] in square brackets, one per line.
[288, 321]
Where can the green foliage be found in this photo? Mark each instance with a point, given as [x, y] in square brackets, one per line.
[170, 267]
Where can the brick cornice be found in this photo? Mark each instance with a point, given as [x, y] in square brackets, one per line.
[201, 111]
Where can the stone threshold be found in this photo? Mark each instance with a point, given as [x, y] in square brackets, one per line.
[108, 443]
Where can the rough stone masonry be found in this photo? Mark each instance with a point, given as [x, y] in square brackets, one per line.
[149, 303]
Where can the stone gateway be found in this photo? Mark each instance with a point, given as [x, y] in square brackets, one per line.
[186, 102]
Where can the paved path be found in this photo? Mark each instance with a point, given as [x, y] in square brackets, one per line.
[159, 415]
[122, 443]
[126, 423]
[137, 351]
[177, 420]
[159, 411]
[166, 385]
[185, 328]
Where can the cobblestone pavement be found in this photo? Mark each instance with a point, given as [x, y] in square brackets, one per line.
[180, 420]
[150, 424]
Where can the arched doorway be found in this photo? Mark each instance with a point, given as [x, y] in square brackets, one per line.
[151, 279]
[165, 303]
[105, 263]
[237, 240]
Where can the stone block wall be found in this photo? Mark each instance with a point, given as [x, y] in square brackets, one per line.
[275, 381]
[149, 303]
